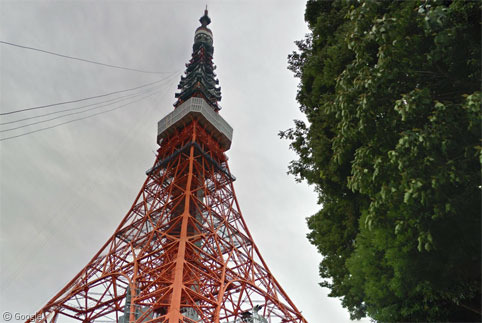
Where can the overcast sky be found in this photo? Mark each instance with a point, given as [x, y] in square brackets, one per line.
[64, 190]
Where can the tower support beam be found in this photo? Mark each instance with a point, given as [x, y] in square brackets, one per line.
[174, 312]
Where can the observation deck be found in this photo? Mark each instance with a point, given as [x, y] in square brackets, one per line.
[196, 108]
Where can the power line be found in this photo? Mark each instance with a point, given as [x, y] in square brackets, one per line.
[78, 119]
[84, 99]
[74, 113]
[81, 59]
[60, 111]
[69, 109]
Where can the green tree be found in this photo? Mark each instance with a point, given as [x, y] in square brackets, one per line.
[391, 93]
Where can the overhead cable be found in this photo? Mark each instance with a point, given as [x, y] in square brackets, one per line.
[81, 59]
[78, 112]
[78, 119]
[83, 99]
[69, 109]
[64, 110]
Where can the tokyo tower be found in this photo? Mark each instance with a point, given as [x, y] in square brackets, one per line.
[183, 252]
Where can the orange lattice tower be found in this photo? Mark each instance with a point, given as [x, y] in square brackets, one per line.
[183, 252]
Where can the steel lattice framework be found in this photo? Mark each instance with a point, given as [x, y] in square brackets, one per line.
[183, 252]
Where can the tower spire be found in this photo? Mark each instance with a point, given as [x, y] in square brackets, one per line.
[199, 79]
[205, 20]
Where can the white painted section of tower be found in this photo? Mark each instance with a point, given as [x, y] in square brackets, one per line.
[211, 120]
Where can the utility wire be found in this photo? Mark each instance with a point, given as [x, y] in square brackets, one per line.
[78, 119]
[74, 113]
[84, 99]
[69, 109]
[81, 59]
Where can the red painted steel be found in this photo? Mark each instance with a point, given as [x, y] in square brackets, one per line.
[183, 251]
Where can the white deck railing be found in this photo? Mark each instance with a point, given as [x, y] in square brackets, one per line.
[200, 106]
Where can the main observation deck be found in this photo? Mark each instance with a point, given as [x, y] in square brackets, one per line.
[199, 109]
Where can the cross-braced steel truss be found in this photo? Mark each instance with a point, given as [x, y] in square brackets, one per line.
[183, 252]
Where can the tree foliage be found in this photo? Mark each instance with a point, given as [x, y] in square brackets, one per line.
[391, 93]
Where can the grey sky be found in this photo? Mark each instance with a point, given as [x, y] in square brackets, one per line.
[63, 191]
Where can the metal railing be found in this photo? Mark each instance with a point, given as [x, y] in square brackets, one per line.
[198, 105]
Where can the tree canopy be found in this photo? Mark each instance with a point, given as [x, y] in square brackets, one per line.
[391, 94]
